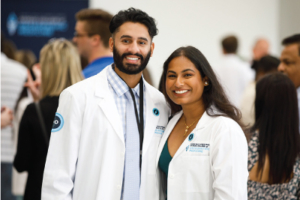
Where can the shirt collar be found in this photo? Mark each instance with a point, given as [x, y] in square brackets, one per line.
[118, 85]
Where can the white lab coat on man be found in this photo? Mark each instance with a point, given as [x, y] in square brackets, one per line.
[86, 156]
[211, 164]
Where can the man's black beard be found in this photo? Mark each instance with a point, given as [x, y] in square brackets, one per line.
[130, 68]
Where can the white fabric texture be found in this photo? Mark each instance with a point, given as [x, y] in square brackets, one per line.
[234, 75]
[13, 76]
[247, 105]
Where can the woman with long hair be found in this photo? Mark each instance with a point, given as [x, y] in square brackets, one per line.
[203, 152]
[273, 160]
[60, 68]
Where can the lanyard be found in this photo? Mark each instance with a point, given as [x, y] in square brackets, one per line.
[139, 122]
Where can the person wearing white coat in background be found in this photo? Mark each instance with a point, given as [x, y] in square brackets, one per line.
[203, 152]
[86, 156]
[233, 73]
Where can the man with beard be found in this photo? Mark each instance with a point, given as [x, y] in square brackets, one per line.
[107, 128]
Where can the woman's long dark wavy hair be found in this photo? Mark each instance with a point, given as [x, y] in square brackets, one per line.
[213, 94]
[277, 120]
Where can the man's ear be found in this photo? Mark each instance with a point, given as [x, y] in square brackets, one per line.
[111, 44]
[96, 39]
[152, 48]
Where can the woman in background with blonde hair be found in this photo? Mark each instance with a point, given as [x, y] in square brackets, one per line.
[60, 68]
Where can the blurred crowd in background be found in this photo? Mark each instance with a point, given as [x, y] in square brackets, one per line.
[30, 90]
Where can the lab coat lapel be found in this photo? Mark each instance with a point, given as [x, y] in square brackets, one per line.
[107, 103]
[204, 120]
[166, 134]
[151, 120]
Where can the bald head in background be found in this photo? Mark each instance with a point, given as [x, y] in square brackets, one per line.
[260, 49]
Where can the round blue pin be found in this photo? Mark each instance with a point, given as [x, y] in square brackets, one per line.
[57, 123]
[191, 136]
[155, 111]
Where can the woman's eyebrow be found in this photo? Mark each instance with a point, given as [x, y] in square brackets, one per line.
[170, 71]
[188, 70]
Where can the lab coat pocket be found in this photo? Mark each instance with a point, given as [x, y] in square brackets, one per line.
[196, 177]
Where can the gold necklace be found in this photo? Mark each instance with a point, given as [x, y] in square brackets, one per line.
[187, 127]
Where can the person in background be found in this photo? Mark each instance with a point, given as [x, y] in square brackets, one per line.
[274, 147]
[290, 62]
[28, 59]
[60, 68]
[91, 38]
[260, 49]
[13, 76]
[203, 152]
[266, 65]
[233, 73]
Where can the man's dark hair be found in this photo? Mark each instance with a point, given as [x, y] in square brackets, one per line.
[267, 64]
[294, 39]
[136, 16]
[230, 44]
[97, 23]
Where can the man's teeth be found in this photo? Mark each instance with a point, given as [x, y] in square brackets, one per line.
[129, 58]
[180, 91]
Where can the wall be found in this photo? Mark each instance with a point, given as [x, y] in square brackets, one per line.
[203, 24]
[289, 18]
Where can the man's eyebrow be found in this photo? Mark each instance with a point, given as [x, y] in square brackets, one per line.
[125, 36]
[128, 36]
[142, 38]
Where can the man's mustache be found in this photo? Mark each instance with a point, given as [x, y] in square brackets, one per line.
[130, 54]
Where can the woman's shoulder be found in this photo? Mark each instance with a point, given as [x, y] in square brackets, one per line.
[224, 122]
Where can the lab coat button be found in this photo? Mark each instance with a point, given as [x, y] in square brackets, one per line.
[119, 187]
[123, 153]
[172, 175]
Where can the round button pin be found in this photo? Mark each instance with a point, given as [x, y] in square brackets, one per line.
[155, 111]
[191, 136]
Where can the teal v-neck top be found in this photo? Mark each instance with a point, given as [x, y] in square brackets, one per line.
[164, 160]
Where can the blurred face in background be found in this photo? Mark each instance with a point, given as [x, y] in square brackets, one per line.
[82, 39]
[290, 63]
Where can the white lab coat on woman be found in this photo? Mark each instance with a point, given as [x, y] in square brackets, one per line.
[85, 159]
[211, 164]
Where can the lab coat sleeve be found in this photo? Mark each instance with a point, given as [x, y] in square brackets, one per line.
[60, 168]
[229, 162]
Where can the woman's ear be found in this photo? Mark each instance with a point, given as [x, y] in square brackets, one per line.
[205, 81]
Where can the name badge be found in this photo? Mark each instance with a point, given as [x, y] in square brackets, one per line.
[159, 130]
[199, 149]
